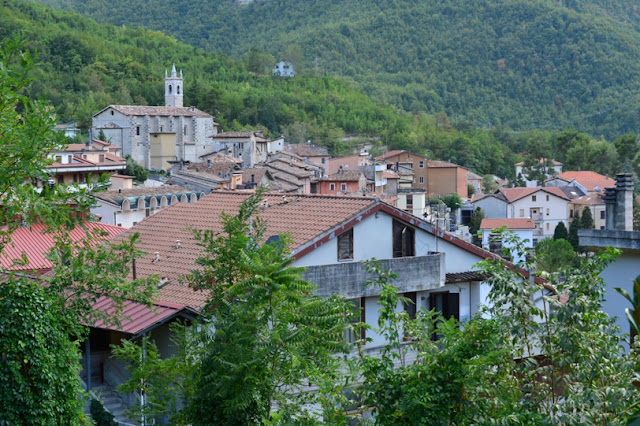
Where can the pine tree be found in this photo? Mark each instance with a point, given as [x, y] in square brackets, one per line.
[587, 219]
[560, 233]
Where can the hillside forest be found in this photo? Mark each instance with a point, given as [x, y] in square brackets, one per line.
[521, 64]
[84, 66]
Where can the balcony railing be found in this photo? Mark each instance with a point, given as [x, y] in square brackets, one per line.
[415, 273]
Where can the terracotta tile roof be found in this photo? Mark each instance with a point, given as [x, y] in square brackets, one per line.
[390, 175]
[36, 243]
[216, 168]
[352, 162]
[525, 223]
[303, 217]
[473, 176]
[136, 318]
[441, 164]
[589, 200]
[294, 169]
[220, 157]
[162, 111]
[592, 181]
[345, 176]
[306, 150]
[257, 173]
[514, 194]
[390, 154]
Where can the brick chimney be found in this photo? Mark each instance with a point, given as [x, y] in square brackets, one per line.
[619, 204]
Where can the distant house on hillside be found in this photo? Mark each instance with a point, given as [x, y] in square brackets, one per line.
[284, 69]
[549, 167]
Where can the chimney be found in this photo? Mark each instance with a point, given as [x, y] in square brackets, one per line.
[624, 202]
[177, 244]
[610, 207]
[157, 258]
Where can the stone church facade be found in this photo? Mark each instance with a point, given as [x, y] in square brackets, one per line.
[155, 135]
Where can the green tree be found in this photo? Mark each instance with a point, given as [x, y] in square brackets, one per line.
[476, 221]
[586, 221]
[575, 224]
[489, 185]
[453, 201]
[41, 321]
[554, 255]
[271, 336]
[470, 190]
[560, 233]
[134, 169]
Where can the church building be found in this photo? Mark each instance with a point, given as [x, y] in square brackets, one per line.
[155, 135]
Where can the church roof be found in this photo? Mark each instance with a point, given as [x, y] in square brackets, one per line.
[162, 111]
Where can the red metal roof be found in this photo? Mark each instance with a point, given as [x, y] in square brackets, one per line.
[136, 317]
[36, 243]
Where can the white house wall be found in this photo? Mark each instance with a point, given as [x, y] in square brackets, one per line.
[552, 212]
[492, 207]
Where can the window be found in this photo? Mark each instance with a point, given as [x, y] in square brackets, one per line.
[161, 129]
[343, 186]
[533, 198]
[521, 212]
[75, 178]
[547, 226]
[410, 305]
[178, 90]
[358, 315]
[112, 113]
[571, 213]
[60, 179]
[101, 158]
[421, 164]
[409, 200]
[403, 240]
[332, 187]
[448, 304]
[547, 212]
[602, 214]
[547, 197]
[421, 179]
[345, 245]
[185, 129]
[138, 130]
[135, 223]
[170, 89]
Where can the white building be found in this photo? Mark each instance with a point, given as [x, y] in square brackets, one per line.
[546, 206]
[155, 135]
[284, 69]
[494, 242]
[549, 167]
[128, 207]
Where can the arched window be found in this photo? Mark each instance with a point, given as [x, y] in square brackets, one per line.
[194, 198]
[153, 203]
[141, 204]
[163, 201]
[178, 90]
[170, 89]
[174, 200]
[184, 198]
[125, 205]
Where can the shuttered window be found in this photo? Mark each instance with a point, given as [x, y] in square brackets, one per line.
[345, 245]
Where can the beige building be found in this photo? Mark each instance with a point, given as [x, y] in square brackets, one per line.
[83, 163]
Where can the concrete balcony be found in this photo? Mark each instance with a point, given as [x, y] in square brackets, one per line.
[416, 273]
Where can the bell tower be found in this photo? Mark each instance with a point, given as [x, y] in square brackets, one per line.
[173, 89]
